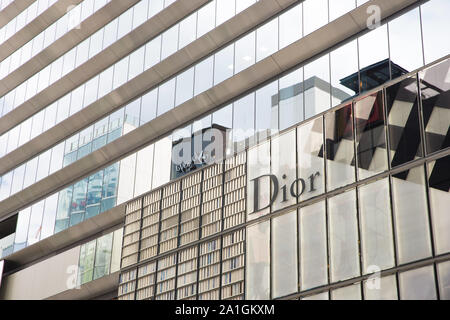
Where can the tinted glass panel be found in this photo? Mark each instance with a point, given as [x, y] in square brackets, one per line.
[258, 262]
[340, 148]
[343, 236]
[370, 136]
[418, 284]
[439, 182]
[435, 91]
[403, 118]
[313, 246]
[377, 242]
[284, 253]
[411, 215]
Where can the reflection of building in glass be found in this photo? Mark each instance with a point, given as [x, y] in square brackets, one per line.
[302, 184]
[373, 76]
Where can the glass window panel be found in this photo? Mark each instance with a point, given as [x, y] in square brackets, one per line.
[443, 270]
[435, 25]
[188, 30]
[411, 215]
[152, 52]
[125, 23]
[340, 7]
[132, 113]
[94, 194]
[103, 256]
[166, 96]
[57, 158]
[243, 121]
[38, 124]
[86, 264]
[266, 39]
[120, 72]
[62, 215]
[258, 165]
[290, 99]
[241, 5]
[267, 109]
[115, 125]
[284, 253]
[204, 75]
[418, 284]
[439, 182]
[258, 262]
[185, 86]
[310, 159]
[290, 24]
[225, 10]
[43, 165]
[374, 58]
[284, 168]
[381, 289]
[352, 292]
[50, 116]
[63, 108]
[149, 106]
[435, 93]
[78, 204]
[155, 7]
[377, 243]
[245, 52]
[344, 73]
[370, 135]
[343, 236]
[136, 63]
[317, 87]
[126, 178]
[161, 169]
[405, 42]
[35, 228]
[25, 131]
[169, 42]
[204, 21]
[403, 118]
[23, 221]
[109, 191]
[340, 148]
[30, 172]
[105, 82]
[144, 168]
[90, 95]
[48, 221]
[223, 64]
[313, 246]
[18, 177]
[315, 14]
[13, 139]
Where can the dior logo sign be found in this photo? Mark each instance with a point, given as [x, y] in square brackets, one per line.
[295, 190]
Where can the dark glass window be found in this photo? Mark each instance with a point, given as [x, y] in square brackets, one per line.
[340, 148]
[439, 182]
[435, 92]
[370, 135]
[403, 118]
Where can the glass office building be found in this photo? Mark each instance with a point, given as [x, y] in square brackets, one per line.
[225, 149]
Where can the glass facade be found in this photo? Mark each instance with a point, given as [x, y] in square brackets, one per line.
[328, 181]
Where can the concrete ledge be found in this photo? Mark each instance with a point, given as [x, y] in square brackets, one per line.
[67, 238]
[39, 24]
[133, 40]
[13, 10]
[185, 57]
[91, 290]
[285, 59]
[62, 45]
